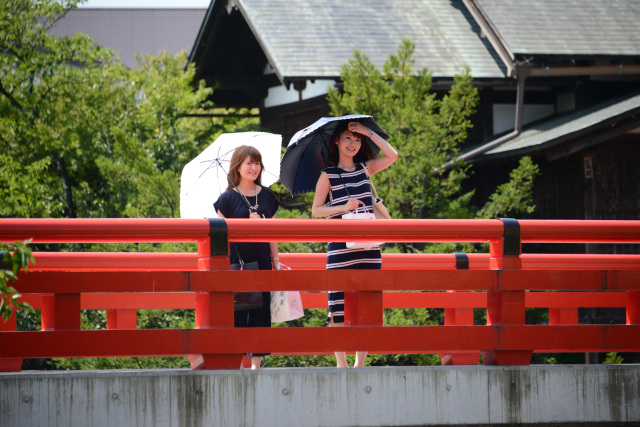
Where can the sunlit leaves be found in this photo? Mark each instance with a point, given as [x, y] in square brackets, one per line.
[10, 265]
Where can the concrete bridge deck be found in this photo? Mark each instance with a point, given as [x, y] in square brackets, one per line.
[543, 395]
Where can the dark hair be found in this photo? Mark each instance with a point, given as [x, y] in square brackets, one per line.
[365, 153]
[237, 158]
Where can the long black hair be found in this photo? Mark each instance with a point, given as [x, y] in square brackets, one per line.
[365, 153]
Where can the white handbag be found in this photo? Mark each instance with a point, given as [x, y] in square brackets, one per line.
[363, 244]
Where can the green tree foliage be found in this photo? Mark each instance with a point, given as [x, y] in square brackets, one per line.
[81, 135]
[10, 265]
[514, 196]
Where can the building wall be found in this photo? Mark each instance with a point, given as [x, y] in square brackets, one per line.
[601, 182]
[287, 119]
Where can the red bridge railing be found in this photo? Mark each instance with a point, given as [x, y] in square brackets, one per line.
[505, 280]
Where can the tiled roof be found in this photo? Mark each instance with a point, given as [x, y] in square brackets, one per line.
[549, 132]
[305, 38]
[566, 27]
[132, 32]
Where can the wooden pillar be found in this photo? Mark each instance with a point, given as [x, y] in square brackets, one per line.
[590, 185]
[60, 312]
[506, 307]
[10, 364]
[459, 316]
[214, 309]
[122, 318]
[363, 308]
[563, 316]
[633, 307]
[456, 317]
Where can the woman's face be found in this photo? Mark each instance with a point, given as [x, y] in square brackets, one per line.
[249, 169]
[349, 143]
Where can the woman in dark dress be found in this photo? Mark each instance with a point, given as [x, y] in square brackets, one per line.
[343, 187]
[246, 198]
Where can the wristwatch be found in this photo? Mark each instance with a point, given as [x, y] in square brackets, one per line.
[371, 133]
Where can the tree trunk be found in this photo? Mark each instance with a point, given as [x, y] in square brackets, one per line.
[66, 185]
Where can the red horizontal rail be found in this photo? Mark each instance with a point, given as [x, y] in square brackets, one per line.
[572, 231]
[245, 230]
[580, 262]
[186, 300]
[391, 340]
[87, 230]
[315, 230]
[134, 261]
[407, 230]
[227, 281]
[129, 261]
[323, 280]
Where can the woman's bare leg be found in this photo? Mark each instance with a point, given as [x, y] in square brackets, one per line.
[360, 358]
[255, 362]
[341, 357]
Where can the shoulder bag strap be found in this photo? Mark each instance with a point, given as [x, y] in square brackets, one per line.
[344, 185]
[235, 246]
[373, 187]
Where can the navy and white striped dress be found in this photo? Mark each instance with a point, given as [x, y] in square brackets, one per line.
[338, 256]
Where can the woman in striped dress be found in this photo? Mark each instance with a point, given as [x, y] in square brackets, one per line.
[343, 187]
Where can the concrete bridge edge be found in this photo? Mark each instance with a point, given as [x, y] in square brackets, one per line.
[540, 395]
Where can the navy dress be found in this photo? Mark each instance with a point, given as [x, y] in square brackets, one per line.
[345, 185]
[232, 205]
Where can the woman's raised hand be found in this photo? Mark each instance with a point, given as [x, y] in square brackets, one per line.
[358, 127]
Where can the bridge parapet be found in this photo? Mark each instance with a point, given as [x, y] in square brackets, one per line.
[504, 281]
[480, 396]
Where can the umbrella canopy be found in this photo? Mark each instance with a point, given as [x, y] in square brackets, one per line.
[205, 177]
[308, 150]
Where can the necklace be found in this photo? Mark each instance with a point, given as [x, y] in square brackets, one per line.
[347, 168]
[254, 207]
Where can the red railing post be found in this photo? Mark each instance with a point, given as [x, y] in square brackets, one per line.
[60, 311]
[122, 318]
[633, 307]
[459, 317]
[506, 307]
[563, 316]
[363, 308]
[10, 364]
[214, 309]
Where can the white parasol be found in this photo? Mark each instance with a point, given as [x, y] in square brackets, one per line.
[205, 177]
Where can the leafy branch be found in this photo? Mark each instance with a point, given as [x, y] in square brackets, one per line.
[10, 266]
